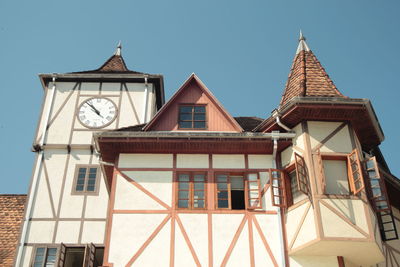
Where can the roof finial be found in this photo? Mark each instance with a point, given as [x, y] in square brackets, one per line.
[302, 44]
[118, 51]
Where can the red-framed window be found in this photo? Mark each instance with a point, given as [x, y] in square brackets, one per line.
[192, 117]
[191, 190]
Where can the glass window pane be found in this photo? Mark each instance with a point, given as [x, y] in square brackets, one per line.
[185, 116]
[200, 109]
[222, 186]
[184, 177]
[222, 194]
[252, 177]
[223, 203]
[92, 181]
[200, 117]
[90, 188]
[183, 185]
[199, 124]
[222, 178]
[198, 195]
[183, 194]
[185, 124]
[183, 203]
[199, 186]
[198, 203]
[185, 109]
[79, 188]
[199, 177]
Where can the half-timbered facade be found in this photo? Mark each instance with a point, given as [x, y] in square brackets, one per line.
[136, 182]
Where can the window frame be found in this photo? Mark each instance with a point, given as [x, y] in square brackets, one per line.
[346, 157]
[97, 182]
[246, 189]
[191, 190]
[46, 247]
[193, 113]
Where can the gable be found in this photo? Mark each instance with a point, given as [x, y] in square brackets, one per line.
[193, 92]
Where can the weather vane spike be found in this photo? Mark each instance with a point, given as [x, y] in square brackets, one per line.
[118, 51]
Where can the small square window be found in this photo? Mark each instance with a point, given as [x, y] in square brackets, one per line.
[192, 117]
[86, 179]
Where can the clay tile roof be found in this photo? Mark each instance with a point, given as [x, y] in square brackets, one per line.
[115, 64]
[11, 214]
[307, 77]
[248, 123]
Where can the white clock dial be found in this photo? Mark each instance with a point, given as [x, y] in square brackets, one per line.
[97, 112]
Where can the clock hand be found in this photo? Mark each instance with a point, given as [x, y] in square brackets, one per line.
[94, 109]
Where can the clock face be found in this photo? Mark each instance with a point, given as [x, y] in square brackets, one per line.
[97, 112]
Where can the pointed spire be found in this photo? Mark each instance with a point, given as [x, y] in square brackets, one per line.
[302, 44]
[118, 50]
[307, 77]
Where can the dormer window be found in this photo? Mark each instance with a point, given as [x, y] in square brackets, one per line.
[192, 117]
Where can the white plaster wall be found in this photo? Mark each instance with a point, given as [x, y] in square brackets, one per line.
[132, 105]
[241, 252]
[72, 205]
[124, 244]
[40, 232]
[293, 218]
[55, 160]
[58, 132]
[307, 231]
[318, 131]
[287, 155]
[128, 196]
[145, 160]
[108, 88]
[27, 256]
[42, 208]
[93, 232]
[260, 161]
[158, 183]
[352, 209]
[68, 232]
[196, 227]
[192, 160]
[223, 230]
[269, 225]
[228, 161]
[334, 226]
[314, 261]
[92, 88]
[82, 137]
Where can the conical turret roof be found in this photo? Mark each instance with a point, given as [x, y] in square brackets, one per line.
[115, 64]
[307, 77]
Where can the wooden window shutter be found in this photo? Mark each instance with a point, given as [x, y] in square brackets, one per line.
[92, 251]
[355, 173]
[253, 191]
[302, 175]
[278, 194]
[380, 200]
[61, 258]
[321, 171]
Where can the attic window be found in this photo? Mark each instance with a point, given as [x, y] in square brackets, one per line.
[192, 117]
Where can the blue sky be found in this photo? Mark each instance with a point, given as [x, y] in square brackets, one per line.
[242, 50]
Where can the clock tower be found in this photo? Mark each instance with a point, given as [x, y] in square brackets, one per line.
[66, 210]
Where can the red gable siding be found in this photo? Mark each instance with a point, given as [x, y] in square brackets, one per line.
[192, 93]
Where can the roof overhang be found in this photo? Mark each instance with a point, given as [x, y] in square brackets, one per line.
[111, 144]
[357, 111]
[156, 79]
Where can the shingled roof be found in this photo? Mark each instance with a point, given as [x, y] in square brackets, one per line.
[11, 214]
[115, 64]
[307, 77]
